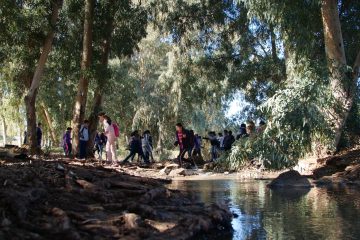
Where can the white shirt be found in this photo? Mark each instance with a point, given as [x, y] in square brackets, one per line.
[84, 133]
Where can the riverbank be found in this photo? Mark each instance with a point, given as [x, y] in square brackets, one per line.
[66, 199]
[340, 169]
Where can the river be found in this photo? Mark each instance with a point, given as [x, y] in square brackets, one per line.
[261, 213]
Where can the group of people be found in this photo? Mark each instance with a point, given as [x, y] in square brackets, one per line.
[140, 145]
[190, 143]
[105, 138]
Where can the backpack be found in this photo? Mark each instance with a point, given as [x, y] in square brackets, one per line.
[116, 130]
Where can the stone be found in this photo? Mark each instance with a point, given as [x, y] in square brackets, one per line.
[290, 179]
[208, 166]
[178, 172]
[169, 168]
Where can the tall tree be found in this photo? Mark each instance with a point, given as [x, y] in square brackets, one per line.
[343, 86]
[30, 97]
[81, 97]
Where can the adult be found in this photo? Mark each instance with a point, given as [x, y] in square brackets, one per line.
[39, 134]
[111, 139]
[67, 145]
[183, 141]
[83, 139]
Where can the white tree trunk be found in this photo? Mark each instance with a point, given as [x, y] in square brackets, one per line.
[343, 88]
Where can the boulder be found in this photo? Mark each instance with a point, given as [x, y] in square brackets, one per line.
[178, 172]
[290, 179]
[209, 166]
[169, 168]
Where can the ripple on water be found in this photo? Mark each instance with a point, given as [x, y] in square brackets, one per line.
[316, 213]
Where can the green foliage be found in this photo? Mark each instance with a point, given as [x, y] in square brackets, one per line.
[296, 120]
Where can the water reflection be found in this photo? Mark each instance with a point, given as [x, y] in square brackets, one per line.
[317, 213]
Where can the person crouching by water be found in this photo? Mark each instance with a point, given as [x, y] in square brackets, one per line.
[134, 147]
[183, 141]
[146, 143]
[67, 145]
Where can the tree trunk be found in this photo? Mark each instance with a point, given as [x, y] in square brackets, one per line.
[4, 128]
[30, 97]
[343, 87]
[102, 75]
[49, 122]
[31, 122]
[81, 97]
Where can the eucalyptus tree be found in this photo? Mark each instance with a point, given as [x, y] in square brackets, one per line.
[343, 79]
[30, 30]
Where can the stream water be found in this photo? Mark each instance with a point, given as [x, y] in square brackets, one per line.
[317, 213]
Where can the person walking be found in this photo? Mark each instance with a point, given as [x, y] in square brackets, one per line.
[100, 142]
[228, 141]
[135, 147]
[183, 141]
[67, 145]
[39, 134]
[242, 132]
[197, 146]
[221, 141]
[83, 139]
[111, 140]
[146, 144]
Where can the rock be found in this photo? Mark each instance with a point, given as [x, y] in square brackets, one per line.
[290, 179]
[169, 168]
[132, 221]
[178, 172]
[158, 166]
[209, 166]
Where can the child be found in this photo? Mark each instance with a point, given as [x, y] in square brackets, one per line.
[100, 141]
[146, 143]
[134, 147]
[67, 142]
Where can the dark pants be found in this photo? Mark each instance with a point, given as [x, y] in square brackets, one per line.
[214, 153]
[132, 156]
[68, 149]
[181, 156]
[82, 147]
[147, 155]
[197, 152]
[99, 149]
